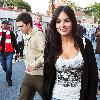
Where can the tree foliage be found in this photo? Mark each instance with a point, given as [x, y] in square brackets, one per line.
[93, 10]
[20, 4]
[11, 3]
[71, 4]
[1, 2]
[24, 5]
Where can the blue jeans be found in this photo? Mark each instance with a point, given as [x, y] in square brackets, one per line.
[0, 57]
[7, 64]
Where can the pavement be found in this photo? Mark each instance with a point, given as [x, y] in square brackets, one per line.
[12, 93]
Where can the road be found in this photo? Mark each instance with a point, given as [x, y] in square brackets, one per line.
[12, 93]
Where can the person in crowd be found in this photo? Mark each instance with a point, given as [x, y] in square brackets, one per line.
[0, 43]
[37, 22]
[20, 42]
[97, 50]
[92, 31]
[70, 68]
[8, 45]
[34, 61]
[80, 29]
[47, 29]
[97, 30]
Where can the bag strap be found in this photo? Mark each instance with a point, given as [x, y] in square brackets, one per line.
[84, 42]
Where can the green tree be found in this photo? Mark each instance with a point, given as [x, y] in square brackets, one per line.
[19, 4]
[24, 5]
[93, 10]
[73, 5]
[1, 3]
[70, 4]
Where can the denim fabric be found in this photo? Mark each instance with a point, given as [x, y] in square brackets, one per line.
[7, 64]
[0, 57]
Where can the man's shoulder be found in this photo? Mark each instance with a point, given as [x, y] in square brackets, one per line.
[38, 32]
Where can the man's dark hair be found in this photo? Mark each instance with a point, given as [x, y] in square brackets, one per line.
[25, 18]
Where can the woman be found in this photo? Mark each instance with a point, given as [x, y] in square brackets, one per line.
[70, 69]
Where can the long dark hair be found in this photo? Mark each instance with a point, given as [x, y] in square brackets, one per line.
[53, 47]
[53, 38]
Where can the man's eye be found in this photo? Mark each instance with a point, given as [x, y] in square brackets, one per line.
[20, 26]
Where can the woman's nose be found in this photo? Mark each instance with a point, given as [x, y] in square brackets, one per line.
[62, 24]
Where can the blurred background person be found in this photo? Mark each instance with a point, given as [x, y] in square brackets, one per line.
[9, 45]
[93, 30]
[47, 29]
[34, 47]
[20, 42]
[80, 29]
[0, 43]
[37, 22]
[97, 50]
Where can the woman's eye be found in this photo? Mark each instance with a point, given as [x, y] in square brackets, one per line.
[67, 20]
[57, 21]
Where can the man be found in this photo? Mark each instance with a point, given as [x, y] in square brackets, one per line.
[20, 42]
[80, 29]
[92, 32]
[34, 47]
[9, 44]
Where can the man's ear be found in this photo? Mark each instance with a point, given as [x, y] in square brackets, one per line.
[28, 24]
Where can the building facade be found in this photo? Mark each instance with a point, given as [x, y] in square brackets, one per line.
[11, 14]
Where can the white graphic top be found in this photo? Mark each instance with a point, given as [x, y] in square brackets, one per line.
[68, 80]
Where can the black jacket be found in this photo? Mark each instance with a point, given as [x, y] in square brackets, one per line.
[81, 30]
[89, 77]
[13, 41]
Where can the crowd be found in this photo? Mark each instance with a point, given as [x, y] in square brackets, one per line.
[60, 61]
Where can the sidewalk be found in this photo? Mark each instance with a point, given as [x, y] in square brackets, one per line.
[12, 93]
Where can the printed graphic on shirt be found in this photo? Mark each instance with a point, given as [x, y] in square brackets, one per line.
[69, 75]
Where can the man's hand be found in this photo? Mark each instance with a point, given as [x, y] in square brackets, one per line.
[29, 69]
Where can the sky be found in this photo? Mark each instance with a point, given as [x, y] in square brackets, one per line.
[85, 3]
[42, 5]
[38, 5]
